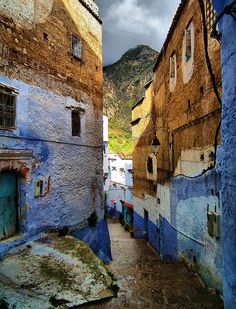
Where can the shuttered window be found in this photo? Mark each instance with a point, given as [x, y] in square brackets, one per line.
[188, 48]
[173, 66]
[75, 115]
[7, 110]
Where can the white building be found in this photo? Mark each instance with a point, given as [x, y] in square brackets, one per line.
[119, 182]
[105, 152]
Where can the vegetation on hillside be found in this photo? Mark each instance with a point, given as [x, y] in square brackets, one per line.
[123, 84]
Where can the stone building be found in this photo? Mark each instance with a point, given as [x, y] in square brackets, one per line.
[51, 112]
[177, 190]
[119, 183]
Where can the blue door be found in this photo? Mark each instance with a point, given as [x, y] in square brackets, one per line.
[8, 205]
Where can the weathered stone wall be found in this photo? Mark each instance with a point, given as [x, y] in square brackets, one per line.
[36, 59]
[185, 119]
[39, 52]
[227, 27]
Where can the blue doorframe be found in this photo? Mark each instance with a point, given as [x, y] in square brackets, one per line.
[9, 217]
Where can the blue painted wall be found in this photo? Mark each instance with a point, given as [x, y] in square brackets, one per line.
[228, 164]
[74, 164]
[185, 234]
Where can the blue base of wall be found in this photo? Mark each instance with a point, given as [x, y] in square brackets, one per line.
[151, 233]
[111, 213]
[98, 239]
[139, 227]
[169, 245]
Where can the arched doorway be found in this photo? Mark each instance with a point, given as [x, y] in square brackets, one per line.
[9, 218]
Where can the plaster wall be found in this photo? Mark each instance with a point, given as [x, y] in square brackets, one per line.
[227, 158]
[76, 182]
[36, 59]
[54, 68]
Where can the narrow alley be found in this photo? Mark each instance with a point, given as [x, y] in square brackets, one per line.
[147, 282]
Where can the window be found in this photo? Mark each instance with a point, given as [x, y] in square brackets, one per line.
[75, 115]
[150, 165]
[188, 42]
[76, 46]
[7, 110]
[188, 53]
[173, 66]
[173, 72]
[122, 172]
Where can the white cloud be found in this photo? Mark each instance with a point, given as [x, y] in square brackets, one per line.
[127, 23]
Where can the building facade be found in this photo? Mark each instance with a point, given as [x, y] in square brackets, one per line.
[119, 183]
[51, 113]
[105, 152]
[177, 190]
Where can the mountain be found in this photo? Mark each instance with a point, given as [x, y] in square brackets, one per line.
[124, 83]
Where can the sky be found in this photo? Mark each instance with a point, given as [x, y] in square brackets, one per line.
[128, 23]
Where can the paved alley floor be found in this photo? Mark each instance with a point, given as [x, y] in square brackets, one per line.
[147, 282]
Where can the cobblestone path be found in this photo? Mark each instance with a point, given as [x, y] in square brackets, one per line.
[147, 282]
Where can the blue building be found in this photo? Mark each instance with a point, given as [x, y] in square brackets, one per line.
[177, 188]
[226, 10]
[51, 115]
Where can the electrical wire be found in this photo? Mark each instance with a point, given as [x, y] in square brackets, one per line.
[207, 57]
[215, 88]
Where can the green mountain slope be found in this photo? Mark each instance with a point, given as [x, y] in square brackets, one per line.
[123, 85]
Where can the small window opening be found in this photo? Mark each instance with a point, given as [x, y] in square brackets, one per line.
[188, 47]
[7, 110]
[75, 115]
[76, 46]
[189, 104]
[150, 165]
[173, 66]
[45, 36]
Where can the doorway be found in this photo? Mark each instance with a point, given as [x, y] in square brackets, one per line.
[146, 218]
[9, 219]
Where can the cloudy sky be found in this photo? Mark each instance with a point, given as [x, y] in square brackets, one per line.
[128, 23]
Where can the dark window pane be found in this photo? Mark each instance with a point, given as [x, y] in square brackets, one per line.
[75, 123]
[188, 50]
[150, 165]
[7, 110]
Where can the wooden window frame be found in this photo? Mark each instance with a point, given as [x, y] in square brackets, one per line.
[7, 111]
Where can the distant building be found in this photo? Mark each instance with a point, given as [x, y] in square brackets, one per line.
[105, 151]
[51, 110]
[120, 183]
[177, 190]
